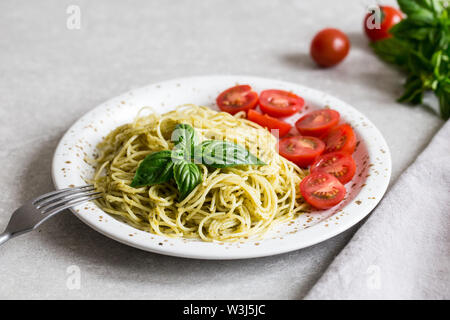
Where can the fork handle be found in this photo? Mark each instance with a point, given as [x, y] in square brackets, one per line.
[5, 236]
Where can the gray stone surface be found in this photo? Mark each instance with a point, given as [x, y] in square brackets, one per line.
[50, 76]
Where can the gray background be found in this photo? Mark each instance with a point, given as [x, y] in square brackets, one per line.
[50, 76]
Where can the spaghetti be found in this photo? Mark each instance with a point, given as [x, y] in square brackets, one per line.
[230, 204]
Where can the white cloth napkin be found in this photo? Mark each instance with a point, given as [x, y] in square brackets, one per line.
[403, 249]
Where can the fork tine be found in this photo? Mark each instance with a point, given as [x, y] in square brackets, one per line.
[49, 205]
[62, 192]
[44, 202]
[72, 203]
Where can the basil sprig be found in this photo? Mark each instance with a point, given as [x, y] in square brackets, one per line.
[181, 163]
[420, 46]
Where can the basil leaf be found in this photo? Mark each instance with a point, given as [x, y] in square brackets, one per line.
[443, 94]
[187, 176]
[154, 169]
[185, 139]
[413, 91]
[418, 64]
[222, 154]
[408, 30]
[410, 7]
[392, 50]
[422, 18]
[416, 6]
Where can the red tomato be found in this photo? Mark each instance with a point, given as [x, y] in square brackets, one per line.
[317, 123]
[322, 190]
[341, 138]
[279, 103]
[339, 164]
[238, 98]
[390, 16]
[270, 123]
[329, 47]
[301, 150]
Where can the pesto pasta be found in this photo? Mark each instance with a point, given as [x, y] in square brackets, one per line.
[228, 204]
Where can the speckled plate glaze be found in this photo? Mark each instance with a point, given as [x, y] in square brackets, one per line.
[364, 191]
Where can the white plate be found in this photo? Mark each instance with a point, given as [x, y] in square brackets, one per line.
[364, 191]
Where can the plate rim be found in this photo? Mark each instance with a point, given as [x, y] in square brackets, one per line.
[231, 254]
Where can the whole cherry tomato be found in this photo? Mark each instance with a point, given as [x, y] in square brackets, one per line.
[329, 47]
[390, 16]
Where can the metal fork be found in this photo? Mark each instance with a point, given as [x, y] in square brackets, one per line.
[29, 216]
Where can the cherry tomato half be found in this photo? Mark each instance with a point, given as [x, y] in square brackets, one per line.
[390, 16]
[279, 103]
[301, 150]
[238, 98]
[329, 47]
[339, 164]
[317, 123]
[270, 123]
[341, 138]
[322, 190]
